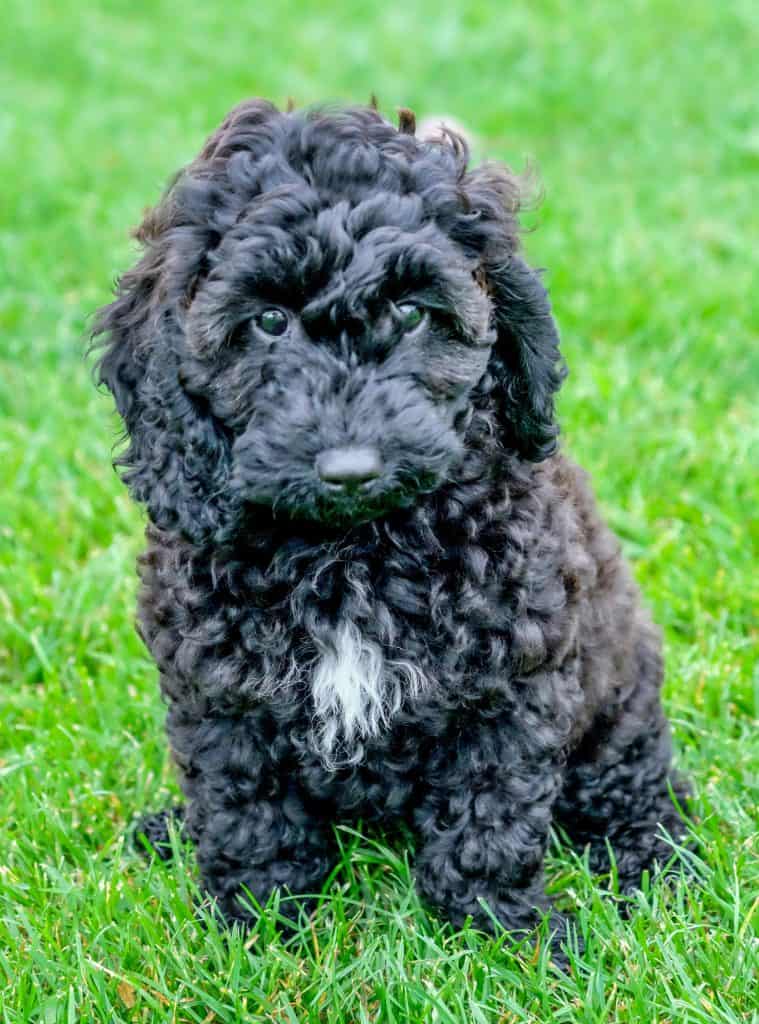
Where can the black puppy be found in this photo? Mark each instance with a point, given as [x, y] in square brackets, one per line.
[372, 587]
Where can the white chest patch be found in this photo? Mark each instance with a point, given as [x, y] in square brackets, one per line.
[356, 690]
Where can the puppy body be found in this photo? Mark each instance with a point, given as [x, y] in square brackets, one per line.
[454, 642]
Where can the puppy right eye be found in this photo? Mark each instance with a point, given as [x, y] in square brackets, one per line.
[410, 315]
[272, 321]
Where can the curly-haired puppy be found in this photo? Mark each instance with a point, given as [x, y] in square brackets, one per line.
[373, 588]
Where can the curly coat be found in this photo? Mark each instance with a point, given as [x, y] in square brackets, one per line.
[459, 646]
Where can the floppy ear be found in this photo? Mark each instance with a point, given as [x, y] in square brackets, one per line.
[177, 457]
[525, 368]
[177, 461]
[526, 365]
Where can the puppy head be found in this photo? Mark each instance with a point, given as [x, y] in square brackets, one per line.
[322, 303]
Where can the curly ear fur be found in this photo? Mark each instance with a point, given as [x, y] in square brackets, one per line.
[526, 365]
[177, 459]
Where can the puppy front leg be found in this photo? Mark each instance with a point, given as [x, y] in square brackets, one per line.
[251, 824]
[259, 846]
[484, 826]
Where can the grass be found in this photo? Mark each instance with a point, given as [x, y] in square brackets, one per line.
[641, 119]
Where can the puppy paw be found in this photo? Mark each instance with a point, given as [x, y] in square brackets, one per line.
[151, 833]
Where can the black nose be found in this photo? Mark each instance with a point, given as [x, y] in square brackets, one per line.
[352, 465]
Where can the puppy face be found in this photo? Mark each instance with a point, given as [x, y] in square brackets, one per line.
[338, 355]
[322, 305]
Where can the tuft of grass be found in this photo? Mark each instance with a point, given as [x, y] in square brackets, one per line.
[641, 120]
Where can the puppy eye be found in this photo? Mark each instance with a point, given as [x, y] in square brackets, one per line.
[409, 315]
[272, 321]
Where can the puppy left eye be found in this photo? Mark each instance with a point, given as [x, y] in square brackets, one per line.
[272, 321]
[409, 315]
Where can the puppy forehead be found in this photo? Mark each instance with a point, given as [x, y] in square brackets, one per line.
[332, 254]
[384, 246]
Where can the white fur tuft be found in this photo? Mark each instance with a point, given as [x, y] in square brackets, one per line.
[356, 691]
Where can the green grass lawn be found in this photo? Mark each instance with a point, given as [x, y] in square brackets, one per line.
[641, 119]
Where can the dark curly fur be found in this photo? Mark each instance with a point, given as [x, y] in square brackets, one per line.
[457, 644]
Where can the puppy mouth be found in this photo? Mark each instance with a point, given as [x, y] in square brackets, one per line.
[355, 485]
[351, 504]
[356, 504]
[343, 505]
